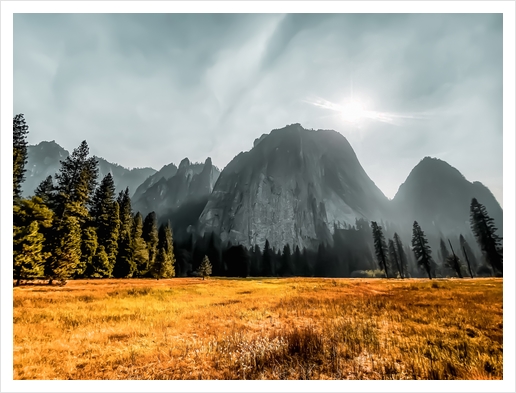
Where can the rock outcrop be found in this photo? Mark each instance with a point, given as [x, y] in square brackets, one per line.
[189, 182]
[294, 186]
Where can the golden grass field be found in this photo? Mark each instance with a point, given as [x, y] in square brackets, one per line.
[260, 328]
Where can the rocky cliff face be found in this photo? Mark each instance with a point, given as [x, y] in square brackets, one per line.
[189, 182]
[438, 197]
[44, 159]
[291, 187]
[164, 173]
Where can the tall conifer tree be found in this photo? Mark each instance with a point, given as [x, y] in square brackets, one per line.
[76, 181]
[20, 131]
[164, 263]
[125, 265]
[150, 235]
[421, 249]
[140, 251]
[106, 218]
[380, 247]
[484, 229]
[30, 216]
[89, 246]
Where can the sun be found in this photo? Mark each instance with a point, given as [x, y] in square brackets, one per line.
[359, 111]
[353, 111]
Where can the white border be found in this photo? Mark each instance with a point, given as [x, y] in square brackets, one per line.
[505, 7]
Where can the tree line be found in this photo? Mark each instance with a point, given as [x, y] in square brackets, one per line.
[73, 227]
[392, 259]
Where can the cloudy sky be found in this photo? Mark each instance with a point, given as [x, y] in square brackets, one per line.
[150, 89]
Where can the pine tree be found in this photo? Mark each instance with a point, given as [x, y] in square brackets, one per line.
[150, 235]
[30, 216]
[46, 191]
[159, 262]
[66, 257]
[76, 181]
[401, 255]
[140, 251]
[125, 265]
[105, 214]
[126, 211]
[89, 245]
[205, 268]
[421, 249]
[267, 259]
[484, 229]
[380, 247]
[165, 260]
[393, 256]
[20, 131]
[169, 249]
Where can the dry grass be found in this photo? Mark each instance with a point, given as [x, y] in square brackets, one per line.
[260, 329]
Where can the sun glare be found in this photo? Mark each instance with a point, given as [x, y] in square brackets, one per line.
[353, 111]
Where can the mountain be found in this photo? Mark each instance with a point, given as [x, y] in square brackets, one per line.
[292, 187]
[191, 181]
[43, 160]
[438, 197]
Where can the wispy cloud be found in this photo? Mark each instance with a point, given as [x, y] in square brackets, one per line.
[354, 111]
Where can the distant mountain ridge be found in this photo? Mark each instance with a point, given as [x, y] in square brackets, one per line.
[44, 159]
[438, 196]
[169, 188]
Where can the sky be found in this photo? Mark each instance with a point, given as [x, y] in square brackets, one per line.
[146, 90]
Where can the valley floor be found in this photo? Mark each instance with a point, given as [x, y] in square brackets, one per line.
[260, 328]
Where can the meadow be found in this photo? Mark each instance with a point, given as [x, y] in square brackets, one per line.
[260, 328]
